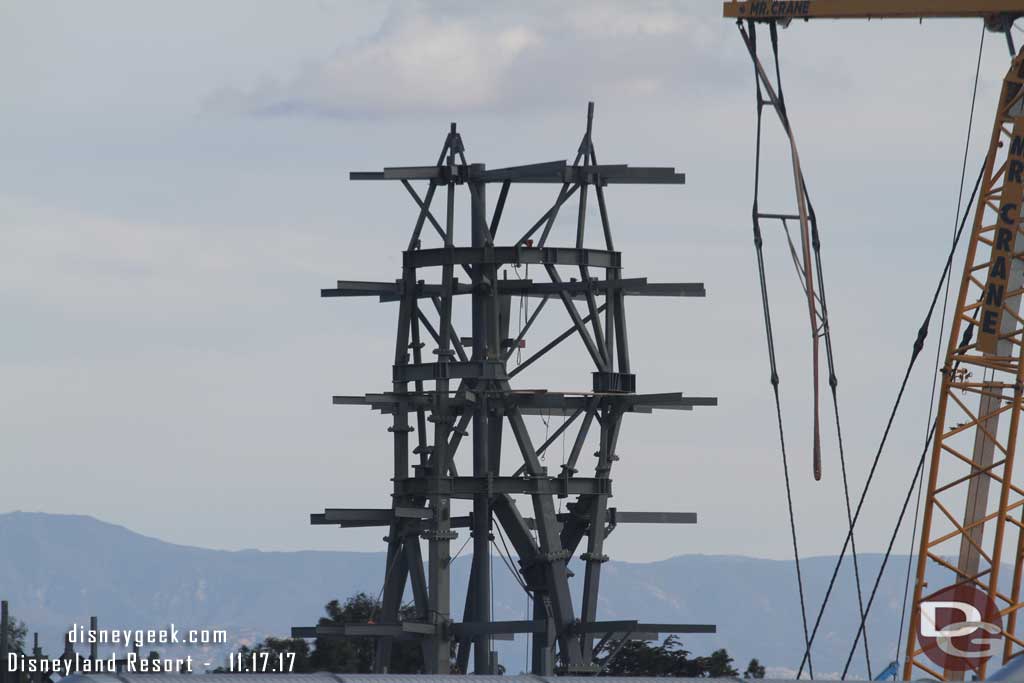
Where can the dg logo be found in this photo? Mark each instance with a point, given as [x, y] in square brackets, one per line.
[959, 628]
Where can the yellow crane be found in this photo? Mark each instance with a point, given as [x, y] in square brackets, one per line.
[973, 515]
[995, 12]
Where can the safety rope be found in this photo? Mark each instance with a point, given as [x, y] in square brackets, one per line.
[387, 576]
[508, 559]
[547, 430]
[526, 617]
[524, 312]
[565, 419]
[490, 637]
[938, 347]
[922, 334]
[758, 244]
[459, 552]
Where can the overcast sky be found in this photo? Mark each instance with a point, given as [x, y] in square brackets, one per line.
[174, 193]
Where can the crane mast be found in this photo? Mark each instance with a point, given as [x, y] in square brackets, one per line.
[971, 466]
[978, 417]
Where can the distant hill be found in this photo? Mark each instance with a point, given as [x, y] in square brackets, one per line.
[59, 569]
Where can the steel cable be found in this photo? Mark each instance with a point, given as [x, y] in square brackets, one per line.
[826, 333]
[758, 244]
[922, 334]
[888, 551]
[938, 347]
[833, 382]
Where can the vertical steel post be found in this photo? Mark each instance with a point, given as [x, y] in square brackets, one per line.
[396, 568]
[440, 534]
[481, 531]
[5, 643]
[594, 556]
[543, 654]
[94, 647]
[37, 655]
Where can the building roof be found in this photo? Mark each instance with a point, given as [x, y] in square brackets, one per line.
[368, 678]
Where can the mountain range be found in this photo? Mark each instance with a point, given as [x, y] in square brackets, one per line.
[58, 570]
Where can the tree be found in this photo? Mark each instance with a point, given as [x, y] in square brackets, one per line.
[718, 665]
[638, 658]
[355, 655]
[17, 631]
[336, 655]
[754, 670]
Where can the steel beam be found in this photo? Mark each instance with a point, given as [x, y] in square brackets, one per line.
[556, 256]
[468, 487]
[551, 172]
[577, 290]
[553, 402]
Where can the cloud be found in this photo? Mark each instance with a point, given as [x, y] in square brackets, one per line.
[82, 263]
[455, 58]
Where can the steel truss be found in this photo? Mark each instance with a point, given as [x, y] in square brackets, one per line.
[464, 393]
[978, 417]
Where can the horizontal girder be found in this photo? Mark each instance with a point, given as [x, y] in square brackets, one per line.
[466, 487]
[555, 256]
[553, 402]
[419, 372]
[548, 172]
[363, 517]
[393, 291]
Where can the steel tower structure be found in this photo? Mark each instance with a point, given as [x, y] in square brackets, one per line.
[463, 391]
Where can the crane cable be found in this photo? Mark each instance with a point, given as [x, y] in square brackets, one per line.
[938, 347]
[833, 382]
[922, 334]
[758, 243]
[956, 238]
[825, 329]
[965, 340]
[825, 332]
[918, 345]
[888, 550]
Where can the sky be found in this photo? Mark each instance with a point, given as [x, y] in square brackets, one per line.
[174, 192]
